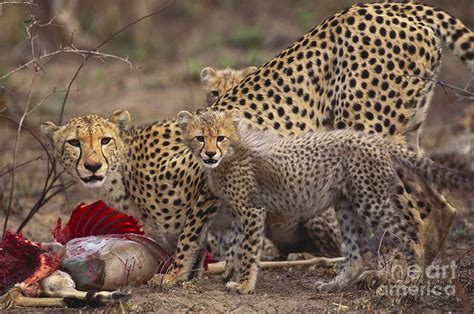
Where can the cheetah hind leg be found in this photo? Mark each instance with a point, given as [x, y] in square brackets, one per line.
[405, 261]
[355, 238]
[325, 235]
[381, 274]
[398, 271]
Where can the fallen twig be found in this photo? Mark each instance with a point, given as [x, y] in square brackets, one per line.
[219, 267]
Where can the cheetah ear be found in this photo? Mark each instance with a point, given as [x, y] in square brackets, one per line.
[184, 118]
[235, 116]
[48, 129]
[121, 118]
[248, 70]
[206, 74]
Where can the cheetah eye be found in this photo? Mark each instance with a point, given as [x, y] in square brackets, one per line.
[105, 140]
[215, 93]
[220, 138]
[200, 139]
[74, 142]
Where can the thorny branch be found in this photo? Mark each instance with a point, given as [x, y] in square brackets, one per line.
[70, 50]
[163, 7]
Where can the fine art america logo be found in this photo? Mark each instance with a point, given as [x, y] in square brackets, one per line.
[437, 282]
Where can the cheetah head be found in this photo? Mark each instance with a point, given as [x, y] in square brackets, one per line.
[88, 147]
[210, 135]
[217, 82]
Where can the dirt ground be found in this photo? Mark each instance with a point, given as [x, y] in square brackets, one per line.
[176, 45]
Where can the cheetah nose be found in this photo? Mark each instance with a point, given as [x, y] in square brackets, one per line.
[93, 167]
[210, 154]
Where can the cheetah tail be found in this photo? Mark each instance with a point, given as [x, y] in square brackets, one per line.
[442, 177]
[447, 27]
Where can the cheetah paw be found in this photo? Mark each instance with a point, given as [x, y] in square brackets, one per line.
[299, 256]
[227, 275]
[239, 287]
[372, 279]
[160, 280]
[327, 287]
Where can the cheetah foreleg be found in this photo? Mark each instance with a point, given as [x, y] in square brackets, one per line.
[190, 243]
[253, 222]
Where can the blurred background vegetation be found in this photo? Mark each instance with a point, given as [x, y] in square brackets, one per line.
[169, 49]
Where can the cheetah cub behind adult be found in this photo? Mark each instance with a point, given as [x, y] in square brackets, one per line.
[217, 82]
[256, 174]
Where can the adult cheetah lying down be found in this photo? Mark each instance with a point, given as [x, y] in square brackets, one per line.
[359, 69]
[259, 174]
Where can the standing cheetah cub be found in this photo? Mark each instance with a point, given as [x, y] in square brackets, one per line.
[319, 235]
[258, 174]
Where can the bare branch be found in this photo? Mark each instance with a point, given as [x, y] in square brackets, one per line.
[7, 90]
[63, 105]
[54, 91]
[465, 98]
[467, 94]
[9, 168]
[26, 128]
[12, 94]
[18, 2]
[69, 50]
[50, 187]
[15, 151]
[45, 197]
